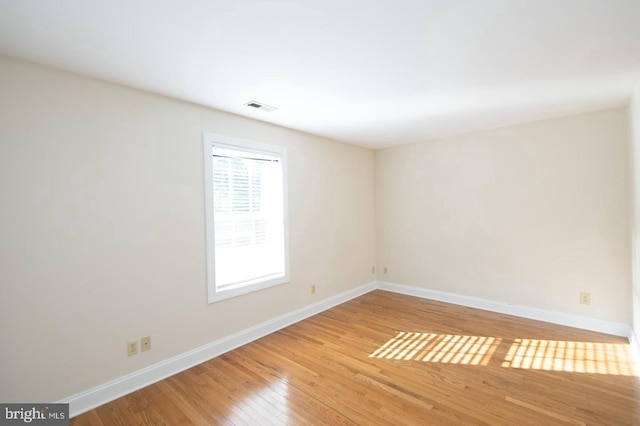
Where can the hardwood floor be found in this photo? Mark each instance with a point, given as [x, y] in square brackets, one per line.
[386, 358]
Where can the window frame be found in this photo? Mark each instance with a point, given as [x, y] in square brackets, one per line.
[209, 141]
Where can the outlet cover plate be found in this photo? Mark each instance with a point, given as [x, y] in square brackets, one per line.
[132, 347]
[145, 344]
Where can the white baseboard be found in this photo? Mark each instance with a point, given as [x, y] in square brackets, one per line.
[560, 318]
[95, 397]
[635, 347]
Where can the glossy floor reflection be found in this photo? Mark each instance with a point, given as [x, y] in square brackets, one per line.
[270, 402]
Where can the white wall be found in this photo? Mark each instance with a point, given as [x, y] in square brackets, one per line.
[634, 120]
[102, 229]
[530, 215]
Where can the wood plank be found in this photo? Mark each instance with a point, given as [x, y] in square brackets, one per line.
[386, 358]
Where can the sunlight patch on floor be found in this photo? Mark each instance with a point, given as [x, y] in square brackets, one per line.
[534, 354]
[575, 357]
[444, 348]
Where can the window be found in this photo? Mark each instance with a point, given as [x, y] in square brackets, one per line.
[246, 216]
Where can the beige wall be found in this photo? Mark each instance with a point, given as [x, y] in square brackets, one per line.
[102, 229]
[634, 120]
[530, 215]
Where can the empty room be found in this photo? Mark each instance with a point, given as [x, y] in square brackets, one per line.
[338, 212]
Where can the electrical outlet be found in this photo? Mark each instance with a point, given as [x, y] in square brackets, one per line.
[132, 347]
[145, 343]
[313, 289]
[585, 298]
[373, 269]
[385, 270]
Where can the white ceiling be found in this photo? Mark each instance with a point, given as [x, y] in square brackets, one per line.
[372, 73]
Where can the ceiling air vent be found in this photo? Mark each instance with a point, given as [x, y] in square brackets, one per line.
[260, 106]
